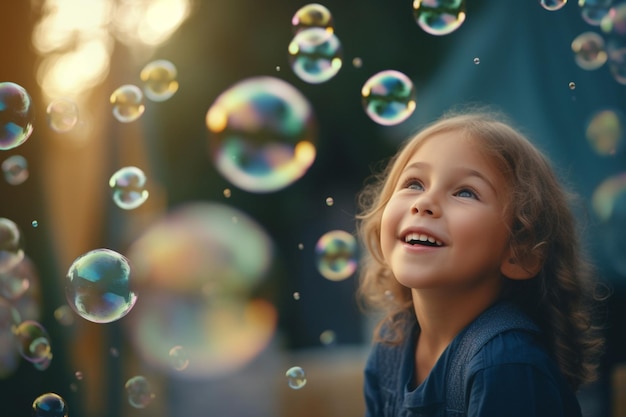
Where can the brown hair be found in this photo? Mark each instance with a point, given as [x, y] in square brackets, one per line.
[559, 298]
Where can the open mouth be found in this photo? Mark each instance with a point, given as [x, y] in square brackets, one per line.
[422, 239]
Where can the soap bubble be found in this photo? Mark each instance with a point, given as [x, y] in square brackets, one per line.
[336, 255]
[33, 341]
[262, 134]
[552, 5]
[49, 405]
[15, 169]
[605, 196]
[312, 15]
[127, 102]
[593, 11]
[439, 17]
[179, 358]
[97, 286]
[16, 281]
[617, 61]
[589, 51]
[476, 60]
[16, 115]
[388, 97]
[327, 337]
[614, 22]
[296, 378]
[128, 186]
[11, 250]
[62, 115]
[64, 315]
[139, 392]
[330, 201]
[159, 78]
[605, 131]
[315, 55]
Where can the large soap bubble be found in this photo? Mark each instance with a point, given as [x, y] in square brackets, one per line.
[262, 134]
[16, 115]
[439, 17]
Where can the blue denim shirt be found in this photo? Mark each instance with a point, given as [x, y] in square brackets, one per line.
[512, 375]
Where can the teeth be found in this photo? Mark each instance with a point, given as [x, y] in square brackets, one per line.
[421, 237]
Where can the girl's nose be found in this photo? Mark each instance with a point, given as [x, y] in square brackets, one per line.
[426, 206]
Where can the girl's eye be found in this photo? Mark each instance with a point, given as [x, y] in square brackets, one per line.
[413, 184]
[467, 193]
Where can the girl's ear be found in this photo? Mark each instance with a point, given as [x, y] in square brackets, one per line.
[514, 269]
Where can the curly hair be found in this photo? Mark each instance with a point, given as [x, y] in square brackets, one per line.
[560, 298]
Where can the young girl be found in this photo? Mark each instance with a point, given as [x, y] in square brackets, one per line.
[473, 256]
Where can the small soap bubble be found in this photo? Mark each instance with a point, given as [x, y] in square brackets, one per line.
[62, 115]
[78, 375]
[128, 186]
[357, 62]
[139, 392]
[43, 364]
[159, 80]
[439, 17]
[327, 337]
[49, 405]
[476, 60]
[227, 192]
[277, 68]
[605, 198]
[594, 11]
[11, 245]
[552, 5]
[336, 255]
[296, 378]
[312, 15]
[179, 358]
[388, 97]
[34, 223]
[300, 246]
[614, 22]
[330, 201]
[605, 131]
[16, 115]
[73, 387]
[262, 134]
[589, 51]
[114, 352]
[572, 85]
[33, 341]
[315, 55]
[64, 315]
[127, 102]
[16, 281]
[296, 296]
[97, 286]
[15, 169]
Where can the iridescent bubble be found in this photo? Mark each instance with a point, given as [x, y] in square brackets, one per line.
[197, 268]
[300, 246]
[34, 223]
[16, 115]
[296, 378]
[552, 5]
[589, 51]
[16, 281]
[593, 11]
[572, 85]
[62, 115]
[44, 363]
[139, 392]
[614, 22]
[327, 337]
[262, 134]
[11, 251]
[33, 341]
[388, 97]
[476, 60]
[15, 169]
[330, 201]
[605, 131]
[296, 296]
[179, 358]
[312, 15]
[127, 103]
[357, 62]
[128, 186]
[159, 78]
[606, 194]
[79, 375]
[336, 255]
[315, 55]
[439, 17]
[227, 192]
[49, 405]
[97, 286]
[64, 315]
[617, 61]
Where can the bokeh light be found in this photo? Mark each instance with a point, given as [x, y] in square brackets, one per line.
[336, 253]
[98, 286]
[139, 392]
[16, 115]
[262, 134]
[312, 15]
[49, 405]
[589, 50]
[16, 281]
[15, 169]
[128, 187]
[552, 5]
[159, 80]
[127, 102]
[607, 195]
[605, 131]
[296, 377]
[199, 272]
[62, 115]
[315, 55]
[439, 17]
[11, 245]
[388, 97]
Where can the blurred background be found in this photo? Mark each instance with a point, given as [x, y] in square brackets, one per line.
[180, 179]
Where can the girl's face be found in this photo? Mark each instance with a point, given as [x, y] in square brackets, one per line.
[445, 224]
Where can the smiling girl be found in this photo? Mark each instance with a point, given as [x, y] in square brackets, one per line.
[473, 258]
